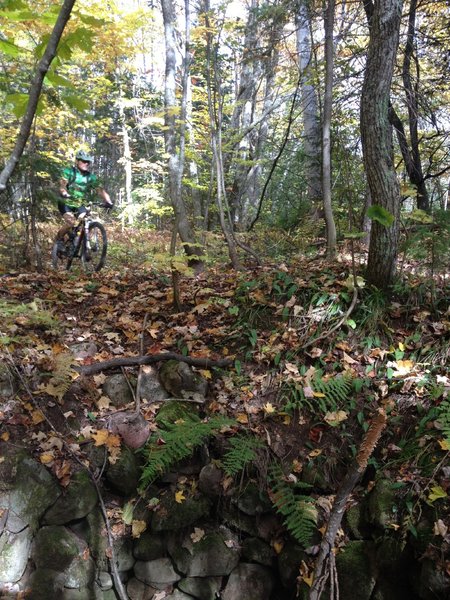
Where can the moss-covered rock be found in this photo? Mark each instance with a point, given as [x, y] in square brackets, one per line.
[33, 492]
[124, 474]
[171, 515]
[382, 504]
[355, 571]
[78, 500]
[179, 379]
[54, 548]
[176, 410]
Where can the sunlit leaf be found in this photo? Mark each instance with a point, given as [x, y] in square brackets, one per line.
[381, 215]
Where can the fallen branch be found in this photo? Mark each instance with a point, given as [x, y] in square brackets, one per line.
[324, 564]
[132, 361]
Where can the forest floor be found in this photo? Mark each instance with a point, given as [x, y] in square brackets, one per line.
[309, 366]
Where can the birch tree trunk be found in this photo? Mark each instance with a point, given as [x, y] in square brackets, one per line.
[376, 133]
[326, 130]
[174, 137]
[126, 161]
[35, 92]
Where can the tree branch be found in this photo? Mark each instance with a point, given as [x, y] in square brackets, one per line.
[131, 361]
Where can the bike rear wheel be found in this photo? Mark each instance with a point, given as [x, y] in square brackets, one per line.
[60, 258]
[95, 245]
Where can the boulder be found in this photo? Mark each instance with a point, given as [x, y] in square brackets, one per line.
[249, 581]
[78, 499]
[181, 381]
[158, 573]
[124, 474]
[117, 388]
[214, 555]
[14, 552]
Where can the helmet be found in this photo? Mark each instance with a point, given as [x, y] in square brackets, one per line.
[82, 155]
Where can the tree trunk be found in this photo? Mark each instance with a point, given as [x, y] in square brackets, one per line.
[411, 86]
[309, 103]
[326, 130]
[35, 92]
[376, 133]
[174, 137]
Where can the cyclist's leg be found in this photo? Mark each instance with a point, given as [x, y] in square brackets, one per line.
[69, 220]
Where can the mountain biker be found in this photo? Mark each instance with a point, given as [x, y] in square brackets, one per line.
[77, 187]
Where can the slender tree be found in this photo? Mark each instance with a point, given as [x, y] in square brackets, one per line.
[326, 130]
[377, 142]
[35, 92]
[175, 135]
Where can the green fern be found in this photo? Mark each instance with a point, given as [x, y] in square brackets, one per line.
[336, 393]
[166, 448]
[242, 452]
[299, 512]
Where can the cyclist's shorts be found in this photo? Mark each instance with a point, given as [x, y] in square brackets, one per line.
[66, 208]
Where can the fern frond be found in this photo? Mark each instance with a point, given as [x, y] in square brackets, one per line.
[166, 448]
[335, 393]
[63, 375]
[299, 512]
[242, 452]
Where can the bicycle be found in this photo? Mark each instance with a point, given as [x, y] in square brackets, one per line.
[87, 241]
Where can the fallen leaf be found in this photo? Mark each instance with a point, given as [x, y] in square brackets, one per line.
[440, 528]
[269, 409]
[180, 497]
[138, 527]
[334, 418]
[100, 437]
[197, 535]
[46, 458]
[242, 418]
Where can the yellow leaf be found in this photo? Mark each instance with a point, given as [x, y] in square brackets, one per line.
[314, 453]
[401, 347]
[46, 458]
[318, 395]
[278, 546]
[287, 419]
[37, 417]
[5, 436]
[180, 497]
[269, 409]
[308, 579]
[138, 527]
[206, 373]
[242, 418]
[444, 444]
[100, 437]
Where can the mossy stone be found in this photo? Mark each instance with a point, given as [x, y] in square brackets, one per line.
[54, 548]
[176, 410]
[171, 515]
[354, 568]
[381, 504]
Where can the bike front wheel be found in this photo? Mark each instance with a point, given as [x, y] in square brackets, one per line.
[95, 245]
[60, 258]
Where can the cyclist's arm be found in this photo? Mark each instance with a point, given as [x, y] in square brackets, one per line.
[63, 188]
[104, 196]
